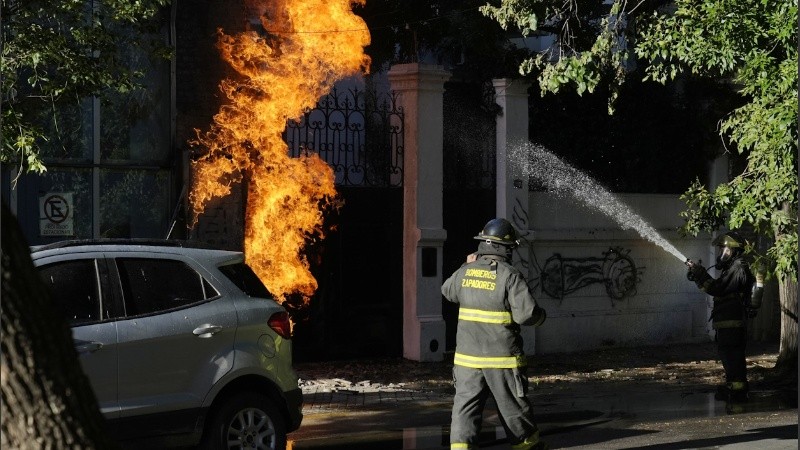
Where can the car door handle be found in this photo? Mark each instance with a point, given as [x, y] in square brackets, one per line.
[206, 330]
[88, 347]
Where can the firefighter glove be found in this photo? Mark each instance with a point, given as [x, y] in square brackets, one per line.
[697, 273]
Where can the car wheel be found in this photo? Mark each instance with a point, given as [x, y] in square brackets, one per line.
[246, 420]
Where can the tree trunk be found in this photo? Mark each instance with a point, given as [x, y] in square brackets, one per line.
[786, 366]
[47, 401]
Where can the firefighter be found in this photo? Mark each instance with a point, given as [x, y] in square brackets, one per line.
[735, 300]
[494, 301]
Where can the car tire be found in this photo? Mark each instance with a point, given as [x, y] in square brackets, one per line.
[245, 420]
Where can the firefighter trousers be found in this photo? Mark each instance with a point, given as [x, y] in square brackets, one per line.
[731, 346]
[509, 388]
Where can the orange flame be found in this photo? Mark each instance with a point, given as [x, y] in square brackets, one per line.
[284, 69]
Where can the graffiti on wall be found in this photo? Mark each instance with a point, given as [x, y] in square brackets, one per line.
[561, 276]
[519, 218]
[615, 270]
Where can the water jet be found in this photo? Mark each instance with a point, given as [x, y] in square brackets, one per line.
[533, 160]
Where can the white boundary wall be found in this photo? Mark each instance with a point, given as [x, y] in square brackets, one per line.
[666, 308]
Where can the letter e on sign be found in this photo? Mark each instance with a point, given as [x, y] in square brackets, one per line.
[56, 214]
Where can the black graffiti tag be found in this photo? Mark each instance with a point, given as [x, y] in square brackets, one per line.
[616, 271]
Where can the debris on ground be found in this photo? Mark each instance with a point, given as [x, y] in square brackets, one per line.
[679, 364]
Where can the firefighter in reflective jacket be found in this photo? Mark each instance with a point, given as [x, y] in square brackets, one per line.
[494, 301]
[736, 297]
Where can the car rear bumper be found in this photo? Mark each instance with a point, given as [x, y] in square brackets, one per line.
[294, 403]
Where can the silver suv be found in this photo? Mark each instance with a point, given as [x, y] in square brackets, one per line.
[182, 345]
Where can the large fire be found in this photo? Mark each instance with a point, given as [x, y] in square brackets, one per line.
[304, 48]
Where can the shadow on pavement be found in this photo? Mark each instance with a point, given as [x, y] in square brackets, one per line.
[784, 432]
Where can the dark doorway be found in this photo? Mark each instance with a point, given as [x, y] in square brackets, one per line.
[358, 309]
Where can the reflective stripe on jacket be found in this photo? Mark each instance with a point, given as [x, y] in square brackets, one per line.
[494, 301]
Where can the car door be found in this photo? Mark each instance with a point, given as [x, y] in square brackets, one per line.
[80, 290]
[176, 342]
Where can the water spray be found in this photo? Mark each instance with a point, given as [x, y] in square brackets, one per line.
[531, 160]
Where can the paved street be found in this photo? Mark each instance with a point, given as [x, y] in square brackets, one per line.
[645, 415]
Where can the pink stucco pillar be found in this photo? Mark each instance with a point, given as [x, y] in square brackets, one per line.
[420, 88]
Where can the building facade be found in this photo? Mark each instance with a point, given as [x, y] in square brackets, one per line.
[121, 168]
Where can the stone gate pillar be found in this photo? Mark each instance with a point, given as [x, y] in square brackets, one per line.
[512, 189]
[512, 128]
[420, 88]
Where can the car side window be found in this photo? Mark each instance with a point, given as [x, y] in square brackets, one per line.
[75, 289]
[153, 285]
[245, 279]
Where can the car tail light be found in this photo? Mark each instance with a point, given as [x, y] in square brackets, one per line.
[280, 323]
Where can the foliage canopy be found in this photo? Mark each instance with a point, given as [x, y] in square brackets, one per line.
[57, 53]
[750, 45]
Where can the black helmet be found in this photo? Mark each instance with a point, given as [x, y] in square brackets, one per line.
[499, 231]
[729, 245]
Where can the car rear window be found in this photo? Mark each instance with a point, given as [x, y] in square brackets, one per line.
[245, 279]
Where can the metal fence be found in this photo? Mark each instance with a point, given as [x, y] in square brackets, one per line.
[358, 133]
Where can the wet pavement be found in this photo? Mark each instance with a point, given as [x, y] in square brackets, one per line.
[642, 416]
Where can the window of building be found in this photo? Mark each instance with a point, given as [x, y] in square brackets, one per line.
[110, 162]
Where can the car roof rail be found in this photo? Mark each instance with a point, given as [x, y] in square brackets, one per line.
[126, 241]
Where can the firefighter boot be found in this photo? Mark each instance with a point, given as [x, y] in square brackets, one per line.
[541, 445]
[738, 391]
[735, 391]
[532, 443]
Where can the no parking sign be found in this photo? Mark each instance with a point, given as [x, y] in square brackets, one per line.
[56, 214]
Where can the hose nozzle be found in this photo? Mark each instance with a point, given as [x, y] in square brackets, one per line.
[691, 263]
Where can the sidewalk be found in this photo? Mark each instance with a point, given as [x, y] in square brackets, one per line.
[626, 399]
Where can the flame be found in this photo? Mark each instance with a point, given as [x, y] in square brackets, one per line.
[304, 48]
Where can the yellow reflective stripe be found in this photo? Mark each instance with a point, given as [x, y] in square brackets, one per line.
[489, 362]
[733, 296]
[727, 324]
[737, 385]
[479, 315]
[459, 445]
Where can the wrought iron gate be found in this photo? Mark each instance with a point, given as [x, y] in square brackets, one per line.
[357, 309]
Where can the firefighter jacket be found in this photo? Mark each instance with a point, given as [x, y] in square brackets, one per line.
[731, 292]
[494, 301]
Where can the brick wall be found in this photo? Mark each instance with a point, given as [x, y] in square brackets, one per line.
[198, 72]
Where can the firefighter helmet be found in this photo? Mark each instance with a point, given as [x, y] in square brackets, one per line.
[728, 246]
[499, 231]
